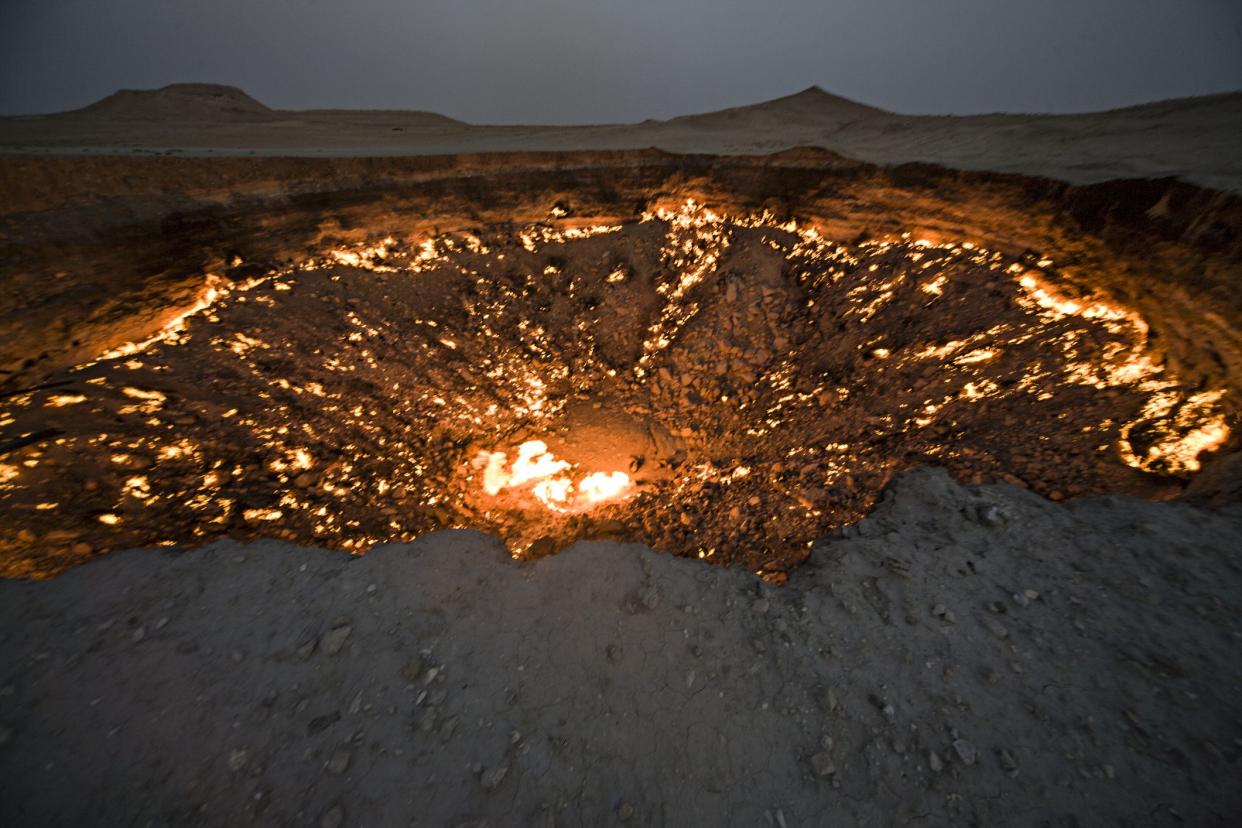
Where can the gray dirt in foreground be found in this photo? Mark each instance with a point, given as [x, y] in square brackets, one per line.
[965, 656]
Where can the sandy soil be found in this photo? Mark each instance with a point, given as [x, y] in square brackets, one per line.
[966, 657]
[1195, 139]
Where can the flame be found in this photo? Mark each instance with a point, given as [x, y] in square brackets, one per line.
[533, 462]
[554, 492]
[1183, 429]
[602, 486]
[551, 487]
[60, 400]
[364, 256]
[173, 327]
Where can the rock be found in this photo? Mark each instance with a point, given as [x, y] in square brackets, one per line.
[412, 669]
[238, 759]
[608, 529]
[1007, 762]
[339, 762]
[322, 723]
[541, 548]
[990, 515]
[492, 778]
[334, 817]
[650, 597]
[543, 818]
[965, 751]
[447, 729]
[934, 761]
[334, 639]
[823, 765]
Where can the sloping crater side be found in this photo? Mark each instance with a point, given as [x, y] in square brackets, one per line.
[93, 247]
[722, 357]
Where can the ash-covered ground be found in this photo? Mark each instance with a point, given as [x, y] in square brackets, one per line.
[742, 385]
[965, 656]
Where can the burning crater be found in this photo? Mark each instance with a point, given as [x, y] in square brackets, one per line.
[725, 385]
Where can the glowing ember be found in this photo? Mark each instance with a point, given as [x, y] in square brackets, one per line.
[59, 400]
[173, 327]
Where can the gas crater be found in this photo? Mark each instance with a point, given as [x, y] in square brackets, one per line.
[725, 384]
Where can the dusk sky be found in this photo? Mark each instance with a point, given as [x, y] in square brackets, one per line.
[591, 61]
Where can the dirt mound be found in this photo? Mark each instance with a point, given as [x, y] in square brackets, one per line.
[178, 101]
[967, 655]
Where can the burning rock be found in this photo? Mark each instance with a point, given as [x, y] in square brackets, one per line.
[743, 387]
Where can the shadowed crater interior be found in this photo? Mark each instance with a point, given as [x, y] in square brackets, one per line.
[726, 385]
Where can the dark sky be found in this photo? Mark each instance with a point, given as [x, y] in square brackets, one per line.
[584, 61]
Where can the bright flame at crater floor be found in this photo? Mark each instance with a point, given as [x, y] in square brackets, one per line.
[538, 471]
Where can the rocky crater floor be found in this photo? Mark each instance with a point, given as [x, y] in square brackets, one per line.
[964, 655]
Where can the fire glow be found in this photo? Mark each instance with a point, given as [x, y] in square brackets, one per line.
[779, 379]
[539, 471]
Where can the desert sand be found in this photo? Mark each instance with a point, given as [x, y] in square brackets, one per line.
[1195, 139]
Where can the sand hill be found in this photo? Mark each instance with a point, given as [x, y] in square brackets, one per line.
[177, 101]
